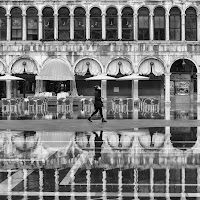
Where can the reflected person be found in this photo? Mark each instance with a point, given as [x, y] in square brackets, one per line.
[98, 104]
[98, 141]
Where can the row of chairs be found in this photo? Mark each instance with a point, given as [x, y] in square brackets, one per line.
[19, 105]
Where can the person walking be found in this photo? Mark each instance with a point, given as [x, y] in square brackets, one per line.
[98, 104]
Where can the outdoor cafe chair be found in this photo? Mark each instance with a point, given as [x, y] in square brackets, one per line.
[5, 105]
[13, 105]
[67, 106]
[59, 105]
[31, 106]
[88, 105]
[40, 105]
[116, 105]
[124, 105]
[155, 105]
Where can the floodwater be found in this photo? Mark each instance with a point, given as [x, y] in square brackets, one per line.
[157, 163]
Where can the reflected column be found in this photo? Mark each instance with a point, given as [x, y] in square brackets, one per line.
[183, 184]
[104, 196]
[120, 185]
[25, 179]
[136, 184]
[9, 184]
[72, 197]
[41, 184]
[56, 175]
[151, 183]
[167, 194]
[88, 177]
[167, 96]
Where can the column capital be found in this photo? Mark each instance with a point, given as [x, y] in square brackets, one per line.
[87, 14]
[103, 14]
[198, 74]
[168, 74]
[71, 14]
[8, 15]
[55, 14]
[23, 15]
[39, 14]
[119, 14]
[183, 14]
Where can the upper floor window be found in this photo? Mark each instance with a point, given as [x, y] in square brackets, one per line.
[175, 24]
[95, 24]
[16, 24]
[48, 24]
[3, 24]
[159, 24]
[191, 25]
[63, 24]
[143, 24]
[32, 23]
[79, 24]
[111, 24]
[127, 24]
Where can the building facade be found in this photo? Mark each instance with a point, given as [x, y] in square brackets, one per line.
[159, 39]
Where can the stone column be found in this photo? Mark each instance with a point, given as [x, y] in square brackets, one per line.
[135, 26]
[55, 26]
[198, 26]
[87, 26]
[103, 26]
[151, 183]
[8, 27]
[167, 27]
[167, 194]
[167, 96]
[134, 93]
[151, 26]
[120, 184]
[183, 27]
[8, 89]
[24, 32]
[183, 183]
[41, 183]
[71, 26]
[198, 96]
[104, 184]
[119, 26]
[104, 96]
[40, 31]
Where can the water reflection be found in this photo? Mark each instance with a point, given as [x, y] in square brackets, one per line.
[138, 164]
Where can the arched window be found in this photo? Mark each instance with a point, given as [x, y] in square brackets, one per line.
[32, 23]
[48, 24]
[159, 24]
[95, 24]
[63, 24]
[3, 24]
[175, 24]
[143, 24]
[127, 24]
[16, 24]
[191, 25]
[79, 24]
[111, 24]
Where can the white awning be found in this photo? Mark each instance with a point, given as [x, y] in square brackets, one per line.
[119, 65]
[152, 65]
[55, 70]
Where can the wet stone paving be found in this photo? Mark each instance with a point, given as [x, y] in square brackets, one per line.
[157, 163]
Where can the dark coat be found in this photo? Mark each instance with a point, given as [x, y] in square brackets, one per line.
[97, 99]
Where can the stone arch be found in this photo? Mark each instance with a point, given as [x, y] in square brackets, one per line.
[82, 65]
[119, 65]
[2, 67]
[151, 65]
[24, 63]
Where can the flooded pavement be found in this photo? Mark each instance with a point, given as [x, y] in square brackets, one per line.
[142, 163]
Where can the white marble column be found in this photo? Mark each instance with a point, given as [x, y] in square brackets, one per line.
[40, 31]
[151, 26]
[104, 195]
[24, 27]
[135, 26]
[136, 184]
[167, 194]
[151, 183]
[8, 27]
[87, 26]
[119, 26]
[55, 26]
[134, 93]
[120, 185]
[167, 96]
[88, 178]
[198, 26]
[198, 96]
[183, 183]
[104, 96]
[103, 26]
[183, 27]
[8, 89]
[167, 26]
[71, 26]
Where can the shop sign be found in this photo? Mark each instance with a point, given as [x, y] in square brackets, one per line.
[180, 77]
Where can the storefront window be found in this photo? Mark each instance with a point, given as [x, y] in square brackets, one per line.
[95, 24]
[16, 24]
[63, 24]
[3, 24]
[175, 24]
[182, 87]
[48, 24]
[159, 24]
[127, 24]
[32, 24]
[143, 24]
[191, 25]
[111, 24]
[79, 24]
